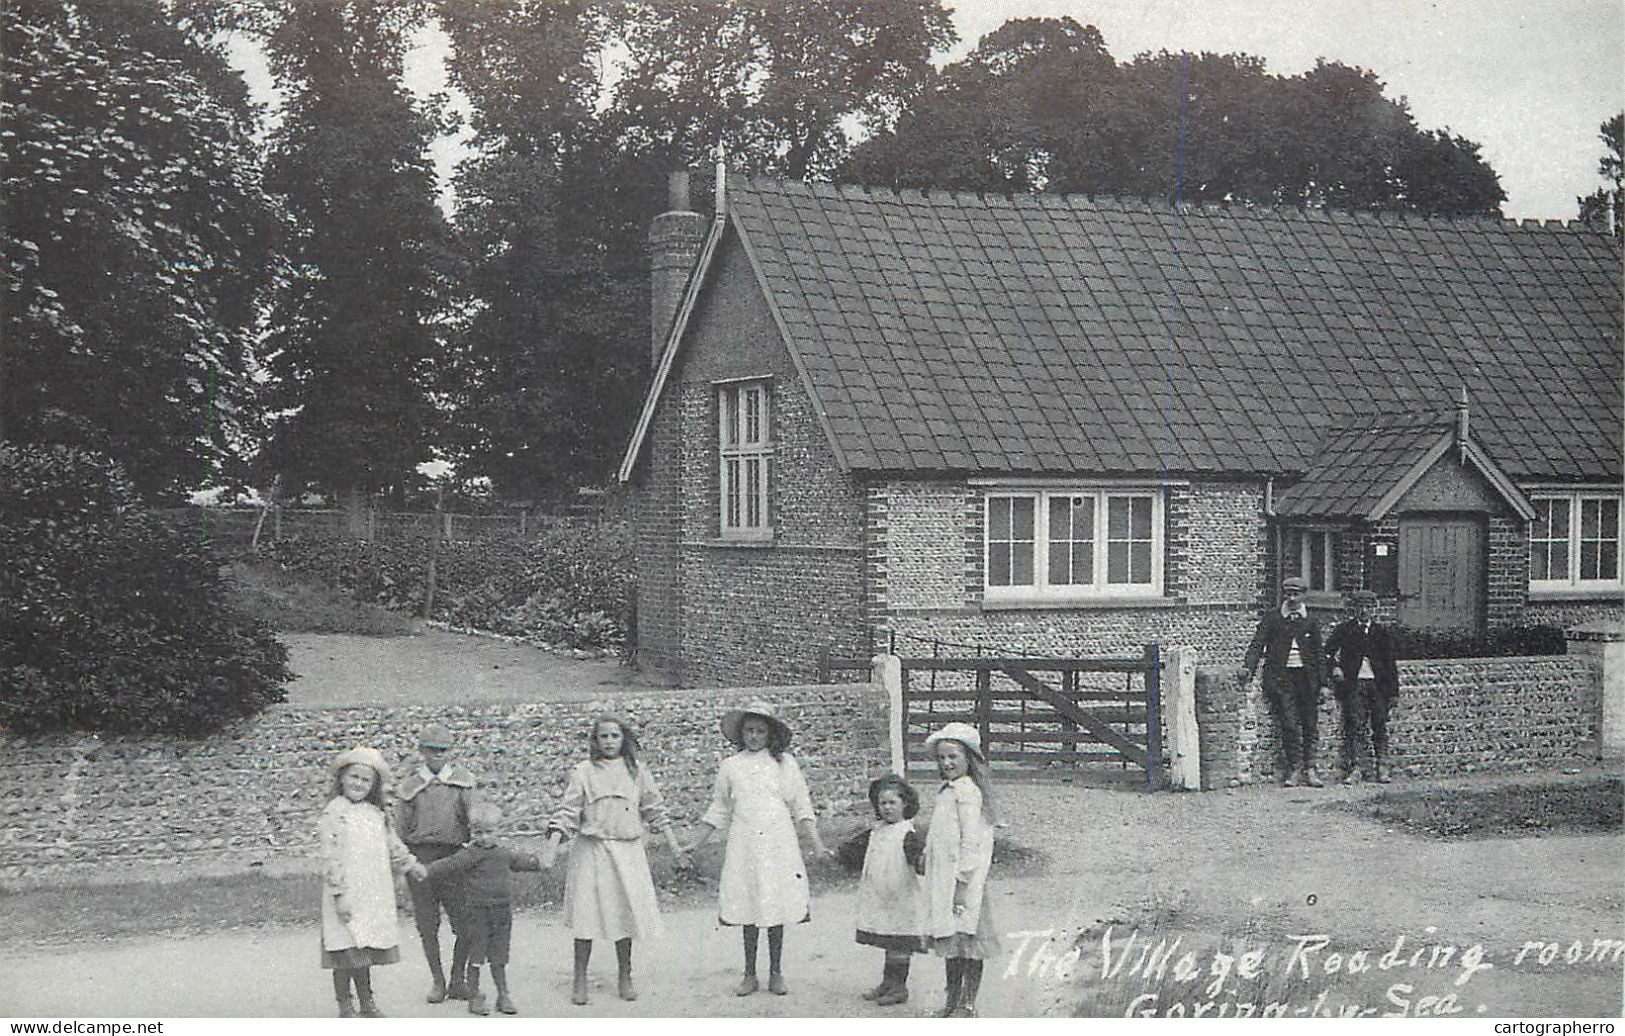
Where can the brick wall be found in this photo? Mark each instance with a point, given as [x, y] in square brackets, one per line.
[99, 808]
[1453, 716]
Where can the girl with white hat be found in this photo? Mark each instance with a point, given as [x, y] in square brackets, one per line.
[958, 855]
[761, 799]
[358, 850]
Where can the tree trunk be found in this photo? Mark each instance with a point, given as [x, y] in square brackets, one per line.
[353, 502]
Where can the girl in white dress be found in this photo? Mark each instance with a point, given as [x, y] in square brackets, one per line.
[958, 855]
[359, 849]
[760, 800]
[608, 892]
[891, 899]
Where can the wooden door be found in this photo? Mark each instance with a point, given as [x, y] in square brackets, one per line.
[1441, 572]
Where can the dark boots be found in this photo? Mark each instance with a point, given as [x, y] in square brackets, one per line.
[954, 980]
[476, 999]
[368, 1008]
[971, 985]
[341, 992]
[895, 983]
[623, 970]
[578, 992]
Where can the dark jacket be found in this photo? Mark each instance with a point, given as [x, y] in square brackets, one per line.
[435, 812]
[484, 872]
[1273, 643]
[1349, 645]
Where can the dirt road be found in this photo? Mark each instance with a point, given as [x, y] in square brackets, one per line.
[1312, 890]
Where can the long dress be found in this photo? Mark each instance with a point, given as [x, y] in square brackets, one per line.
[359, 852]
[758, 800]
[891, 897]
[959, 846]
[608, 891]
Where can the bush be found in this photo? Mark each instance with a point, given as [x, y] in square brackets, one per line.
[109, 620]
[1517, 640]
[571, 584]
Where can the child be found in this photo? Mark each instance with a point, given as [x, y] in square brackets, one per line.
[431, 814]
[608, 892]
[958, 854]
[891, 903]
[761, 798]
[485, 903]
[358, 849]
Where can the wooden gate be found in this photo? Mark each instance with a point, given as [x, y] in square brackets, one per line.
[1038, 716]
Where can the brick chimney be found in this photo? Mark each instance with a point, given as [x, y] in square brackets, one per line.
[675, 237]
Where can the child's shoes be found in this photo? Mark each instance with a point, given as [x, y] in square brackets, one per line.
[578, 994]
[476, 1004]
[369, 1008]
[437, 992]
[775, 984]
[625, 987]
[747, 986]
[505, 1004]
[458, 990]
[877, 992]
[892, 997]
[346, 1007]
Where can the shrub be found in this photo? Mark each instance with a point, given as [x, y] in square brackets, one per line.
[1516, 640]
[571, 584]
[110, 620]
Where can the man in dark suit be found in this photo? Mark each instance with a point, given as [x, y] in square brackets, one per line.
[1288, 641]
[1366, 681]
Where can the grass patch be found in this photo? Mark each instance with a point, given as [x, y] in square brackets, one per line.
[292, 603]
[1568, 807]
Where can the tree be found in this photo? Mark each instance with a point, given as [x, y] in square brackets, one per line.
[355, 333]
[135, 237]
[1605, 207]
[549, 352]
[1041, 105]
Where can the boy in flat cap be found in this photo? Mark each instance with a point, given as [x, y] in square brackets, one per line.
[431, 814]
[1365, 679]
[1288, 641]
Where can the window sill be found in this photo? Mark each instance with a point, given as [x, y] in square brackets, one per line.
[1577, 593]
[751, 543]
[1008, 604]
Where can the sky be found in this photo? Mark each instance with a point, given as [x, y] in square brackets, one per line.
[1529, 80]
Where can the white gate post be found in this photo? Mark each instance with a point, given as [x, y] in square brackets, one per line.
[887, 671]
[1179, 713]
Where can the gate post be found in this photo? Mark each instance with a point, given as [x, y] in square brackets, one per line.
[1184, 734]
[887, 671]
[1153, 717]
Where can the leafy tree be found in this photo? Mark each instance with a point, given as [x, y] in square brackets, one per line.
[1605, 207]
[777, 84]
[550, 352]
[1041, 105]
[355, 334]
[134, 234]
[111, 620]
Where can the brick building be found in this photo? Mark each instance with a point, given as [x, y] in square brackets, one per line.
[1069, 426]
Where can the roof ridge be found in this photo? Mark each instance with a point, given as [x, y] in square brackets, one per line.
[1146, 203]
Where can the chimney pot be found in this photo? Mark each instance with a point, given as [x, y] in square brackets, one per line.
[677, 191]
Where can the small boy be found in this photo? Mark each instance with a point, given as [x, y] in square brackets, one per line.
[483, 867]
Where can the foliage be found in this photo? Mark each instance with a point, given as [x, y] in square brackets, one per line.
[288, 603]
[134, 235]
[1510, 810]
[354, 333]
[1511, 641]
[110, 620]
[1606, 205]
[1040, 105]
[570, 585]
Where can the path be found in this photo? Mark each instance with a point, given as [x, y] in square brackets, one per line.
[436, 665]
[1263, 863]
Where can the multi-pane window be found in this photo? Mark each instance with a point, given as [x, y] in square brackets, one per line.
[746, 453]
[1072, 543]
[1574, 541]
[1311, 555]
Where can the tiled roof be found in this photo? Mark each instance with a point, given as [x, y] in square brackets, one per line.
[1359, 466]
[1045, 334]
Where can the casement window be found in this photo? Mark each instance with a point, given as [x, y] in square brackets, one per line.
[745, 451]
[1311, 555]
[1073, 543]
[1574, 541]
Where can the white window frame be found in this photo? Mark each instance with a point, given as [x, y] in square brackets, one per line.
[1099, 589]
[1575, 502]
[1328, 552]
[745, 445]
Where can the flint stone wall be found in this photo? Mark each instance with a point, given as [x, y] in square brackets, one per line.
[104, 808]
[1453, 716]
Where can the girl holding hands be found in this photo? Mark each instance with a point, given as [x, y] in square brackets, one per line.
[760, 800]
